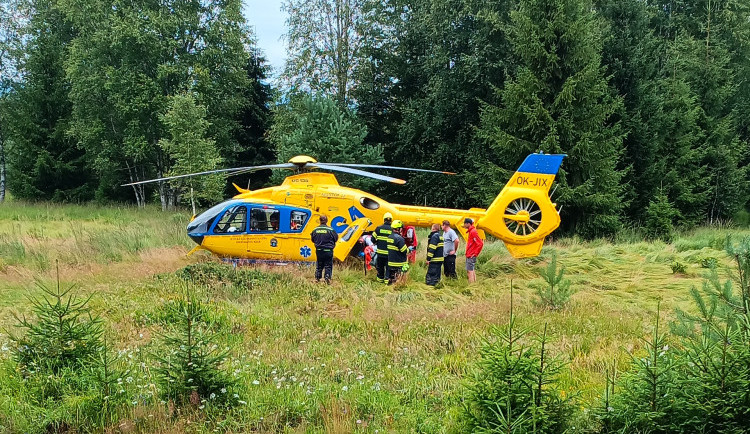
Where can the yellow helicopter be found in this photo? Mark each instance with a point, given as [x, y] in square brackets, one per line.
[274, 224]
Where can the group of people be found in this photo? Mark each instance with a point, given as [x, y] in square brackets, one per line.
[394, 247]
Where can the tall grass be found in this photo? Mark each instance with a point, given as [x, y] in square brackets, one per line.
[353, 356]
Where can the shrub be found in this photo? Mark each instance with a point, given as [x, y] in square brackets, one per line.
[556, 291]
[678, 268]
[709, 262]
[514, 387]
[191, 369]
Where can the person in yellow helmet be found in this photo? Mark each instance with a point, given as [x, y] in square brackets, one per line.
[397, 251]
[381, 237]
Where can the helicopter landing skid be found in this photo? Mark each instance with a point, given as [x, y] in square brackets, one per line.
[241, 262]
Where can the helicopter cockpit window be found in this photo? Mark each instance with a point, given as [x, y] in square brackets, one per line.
[264, 220]
[234, 220]
[297, 220]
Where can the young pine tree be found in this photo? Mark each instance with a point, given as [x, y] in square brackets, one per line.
[557, 100]
[716, 380]
[660, 215]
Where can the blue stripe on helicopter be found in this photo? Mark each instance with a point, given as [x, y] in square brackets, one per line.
[545, 164]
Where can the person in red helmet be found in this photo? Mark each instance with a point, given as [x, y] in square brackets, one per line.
[410, 236]
[474, 245]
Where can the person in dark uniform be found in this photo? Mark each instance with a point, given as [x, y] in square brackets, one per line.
[397, 251]
[381, 237]
[434, 256]
[324, 239]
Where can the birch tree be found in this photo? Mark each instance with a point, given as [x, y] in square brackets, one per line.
[323, 43]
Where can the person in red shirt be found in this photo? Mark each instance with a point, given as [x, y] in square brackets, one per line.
[410, 236]
[474, 246]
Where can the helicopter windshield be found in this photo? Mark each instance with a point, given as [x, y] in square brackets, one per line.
[203, 221]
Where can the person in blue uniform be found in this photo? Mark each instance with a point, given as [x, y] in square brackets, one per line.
[324, 239]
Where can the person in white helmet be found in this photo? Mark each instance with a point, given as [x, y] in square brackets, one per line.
[381, 237]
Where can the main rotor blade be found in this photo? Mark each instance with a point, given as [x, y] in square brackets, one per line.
[357, 172]
[230, 172]
[377, 166]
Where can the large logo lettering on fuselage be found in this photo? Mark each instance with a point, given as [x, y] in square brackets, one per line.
[339, 223]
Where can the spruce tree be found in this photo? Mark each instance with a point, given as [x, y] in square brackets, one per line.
[660, 114]
[558, 101]
[44, 162]
[251, 146]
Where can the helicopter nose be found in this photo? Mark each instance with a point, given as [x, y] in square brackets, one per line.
[197, 238]
[195, 233]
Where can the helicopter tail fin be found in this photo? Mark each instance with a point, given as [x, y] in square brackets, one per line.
[523, 214]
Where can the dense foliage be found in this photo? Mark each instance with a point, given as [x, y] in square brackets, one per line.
[86, 112]
[649, 100]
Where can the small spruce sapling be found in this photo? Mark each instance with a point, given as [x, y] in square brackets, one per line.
[64, 333]
[190, 371]
[556, 290]
[514, 387]
[646, 401]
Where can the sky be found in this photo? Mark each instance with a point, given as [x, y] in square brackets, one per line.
[268, 23]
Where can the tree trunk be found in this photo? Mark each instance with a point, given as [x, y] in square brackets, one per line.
[163, 193]
[137, 189]
[192, 199]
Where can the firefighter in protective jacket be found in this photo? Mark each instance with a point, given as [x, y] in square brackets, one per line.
[396, 253]
[382, 239]
[434, 256]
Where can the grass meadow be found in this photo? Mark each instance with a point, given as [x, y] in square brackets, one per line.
[355, 356]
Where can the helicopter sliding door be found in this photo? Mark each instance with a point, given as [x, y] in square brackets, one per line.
[266, 238]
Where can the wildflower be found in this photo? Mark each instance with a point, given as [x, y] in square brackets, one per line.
[243, 403]
[223, 390]
[360, 377]
[345, 388]
[212, 395]
[236, 395]
[359, 421]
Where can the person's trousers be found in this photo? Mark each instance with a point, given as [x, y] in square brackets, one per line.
[449, 264]
[381, 266]
[433, 273]
[324, 265]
